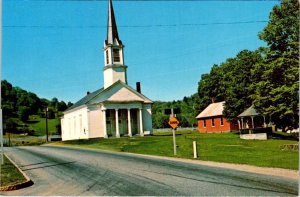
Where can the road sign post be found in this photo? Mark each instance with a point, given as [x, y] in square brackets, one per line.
[173, 122]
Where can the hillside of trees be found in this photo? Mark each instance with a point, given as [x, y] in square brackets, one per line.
[18, 105]
[267, 77]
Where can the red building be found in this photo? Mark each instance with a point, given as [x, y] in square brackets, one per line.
[211, 120]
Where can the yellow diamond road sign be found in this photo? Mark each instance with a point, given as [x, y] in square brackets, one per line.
[173, 122]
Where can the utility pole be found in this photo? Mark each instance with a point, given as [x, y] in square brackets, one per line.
[1, 122]
[47, 124]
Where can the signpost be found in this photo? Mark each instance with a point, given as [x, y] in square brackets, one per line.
[173, 122]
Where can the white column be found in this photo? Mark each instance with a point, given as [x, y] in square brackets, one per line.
[239, 124]
[129, 123]
[104, 123]
[117, 124]
[252, 122]
[141, 122]
[242, 123]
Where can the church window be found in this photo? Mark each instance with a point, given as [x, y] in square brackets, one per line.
[107, 57]
[116, 55]
[222, 122]
[80, 122]
[212, 122]
[204, 123]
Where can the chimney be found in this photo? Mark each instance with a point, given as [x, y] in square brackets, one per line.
[138, 87]
[87, 93]
[213, 99]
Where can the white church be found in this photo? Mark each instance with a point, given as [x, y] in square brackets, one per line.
[116, 109]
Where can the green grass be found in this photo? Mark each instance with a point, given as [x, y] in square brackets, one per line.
[22, 140]
[39, 125]
[10, 175]
[224, 147]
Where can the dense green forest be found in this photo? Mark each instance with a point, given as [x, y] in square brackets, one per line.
[266, 77]
[18, 105]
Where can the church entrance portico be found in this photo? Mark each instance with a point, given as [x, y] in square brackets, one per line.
[122, 122]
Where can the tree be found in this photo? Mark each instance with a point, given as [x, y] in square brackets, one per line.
[69, 104]
[276, 89]
[24, 113]
[282, 31]
[210, 87]
[237, 82]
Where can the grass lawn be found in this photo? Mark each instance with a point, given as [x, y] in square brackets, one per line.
[39, 125]
[10, 175]
[220, 147]
[22, 140]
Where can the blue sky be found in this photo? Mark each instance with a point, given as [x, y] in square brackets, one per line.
[55, 48]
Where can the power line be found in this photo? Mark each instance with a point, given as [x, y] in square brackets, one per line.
[143, 0]
[130, 26]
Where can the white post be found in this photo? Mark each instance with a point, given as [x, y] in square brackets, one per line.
[117, 124]
[195, 149]
[239, 124]
[129, 123]
[252, 122]
[104, 123]
[141, 122]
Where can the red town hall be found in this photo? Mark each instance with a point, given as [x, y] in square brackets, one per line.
[211, 120]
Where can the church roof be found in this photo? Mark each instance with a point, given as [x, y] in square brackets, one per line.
[85, 99]
[112, 31]
[118, 92]
[214, 109]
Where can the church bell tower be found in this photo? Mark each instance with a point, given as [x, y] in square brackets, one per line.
[114, 69]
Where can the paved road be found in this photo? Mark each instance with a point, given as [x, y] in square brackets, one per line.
[69, 171]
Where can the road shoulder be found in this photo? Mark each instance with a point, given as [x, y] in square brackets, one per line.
[280, 172]
[286, 173]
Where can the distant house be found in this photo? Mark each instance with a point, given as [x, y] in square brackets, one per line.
[211, 120]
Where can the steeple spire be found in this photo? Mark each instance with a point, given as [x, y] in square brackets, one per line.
[114, 67]
[112, 31]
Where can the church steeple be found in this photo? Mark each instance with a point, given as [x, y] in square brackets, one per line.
[112, 30]
[114, 69]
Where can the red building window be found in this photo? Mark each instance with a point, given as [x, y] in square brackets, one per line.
[212, 122]
[221, 121]
[204, 123]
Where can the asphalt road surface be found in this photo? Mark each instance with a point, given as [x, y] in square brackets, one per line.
[63, 171]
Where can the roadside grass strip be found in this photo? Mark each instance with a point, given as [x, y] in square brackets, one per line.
[218, 147]
[11, 177]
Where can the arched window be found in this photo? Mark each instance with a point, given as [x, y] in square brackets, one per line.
[116, 55]
[107, 57]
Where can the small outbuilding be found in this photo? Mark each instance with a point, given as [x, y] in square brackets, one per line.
[250, 119]
[212, 120]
